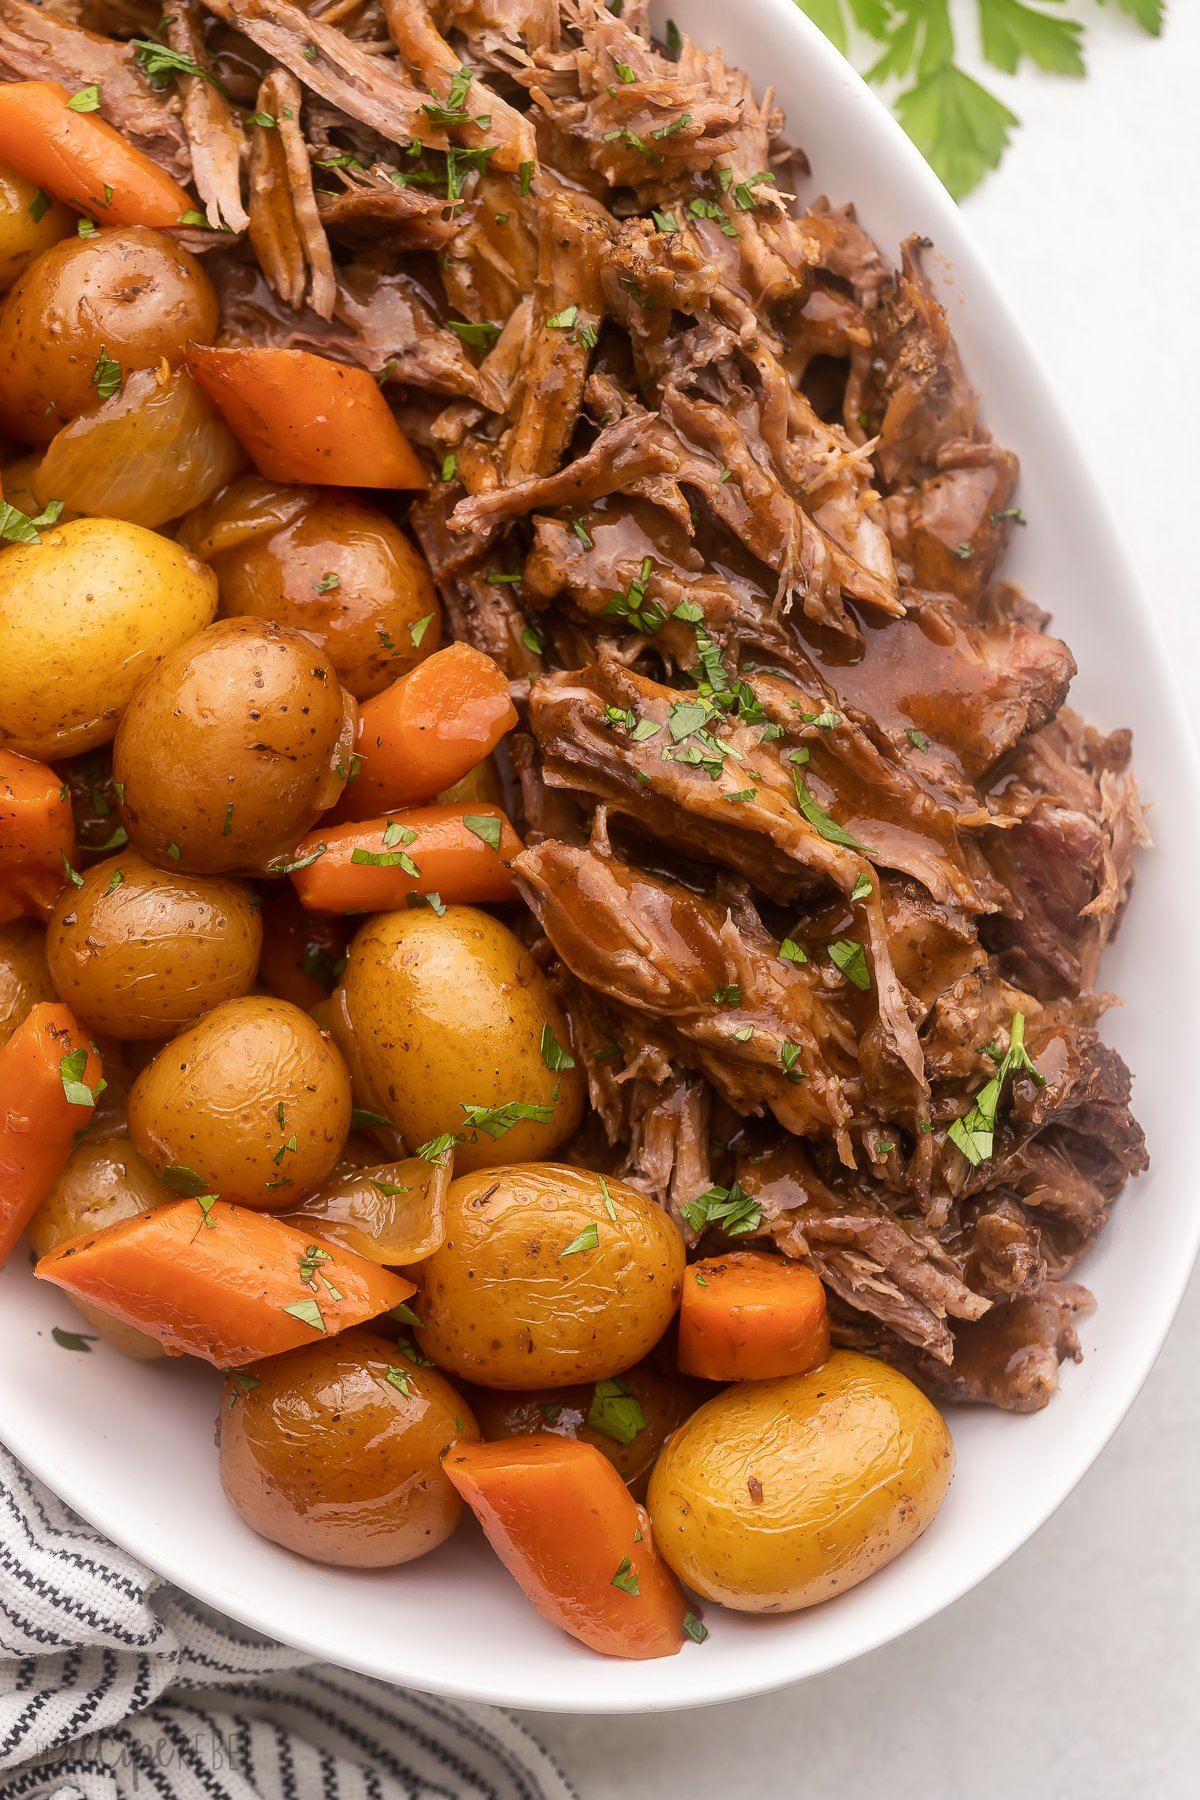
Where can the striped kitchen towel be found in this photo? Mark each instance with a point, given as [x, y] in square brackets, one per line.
[116, 1686]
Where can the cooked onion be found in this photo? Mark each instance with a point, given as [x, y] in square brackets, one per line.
[149, 454]
[394, 1214]
[252, 507]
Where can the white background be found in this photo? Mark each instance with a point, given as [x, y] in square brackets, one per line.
[1073, 1673]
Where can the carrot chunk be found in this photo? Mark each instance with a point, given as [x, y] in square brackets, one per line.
[50, 1077]
[748, 1317]
[565, 1526]
[37, 836]
[452, 853]
[427, 730]
[302, 417]
[82, 160]
[210, 1279]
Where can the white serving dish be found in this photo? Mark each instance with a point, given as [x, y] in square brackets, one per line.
[130, 1445]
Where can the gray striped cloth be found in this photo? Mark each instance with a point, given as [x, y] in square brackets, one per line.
[116, 1686]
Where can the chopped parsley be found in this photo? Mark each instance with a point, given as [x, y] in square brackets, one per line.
[645, 616]
[851, 959]
[579, 527]
[309, 1313]
[160, 62]
[820, 821]
[399, 1379]
[588, 1239]
[553, 1054]
[71, 1068]
[974, 1133]
[73, 1340]
[790, 951]
[107, 376]
[615, 1412]
[564, 320]
[626, 1578]
[789, 1056]
[328, 584]
[694, 1628]
[730, 1208]
[17, 527]
[495, 1121]
[485, 827]
[362, 1120]
[481, 334]
[917, 738]
[185, 1182]
[86, 100]
[862, 889]
[38, 207]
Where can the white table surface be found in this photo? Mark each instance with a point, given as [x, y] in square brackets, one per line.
[1074, 1672]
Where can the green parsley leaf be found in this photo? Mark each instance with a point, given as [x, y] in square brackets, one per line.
[495, 1121]
[532, 641]
[553, 1054]
[550, 1409]
[960, 128]
[399, 1379]
[185, 1182]
[309, 1313]
[632, 605]
[386, 859]
[1011, 31]
[862, 889]
[409, 1351]
[72, 1340]
[114, 884]
[790, 951]
[626, 1578]
[694, 1628]
[851, 959]
[405, 1315]
[449, 467]
[674, 38]
[38, 207]
[525, 172]
[243, 1384]
[438, 1148]
[17, 527]
[615, 1412]
[789, 1056]
[486, 827]
[579, 527]
[564, 320]
[71, 1069]
[820, 821]
[107, 375]
[265, 119]
[86, 100]
[917, 738]
[328, 584]
[417, 631]
[481, 334]
[730, 1208]
[588, 1239]
[160, 62]
[362, 1120]
[974, 1133]
[609, 1203]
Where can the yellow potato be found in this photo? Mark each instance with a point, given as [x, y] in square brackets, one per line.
[84, 616]
[778, 1494]
[252, 1104]
[24, 973]
[438, 1015]
[140, 952]
[30, 222]
[537, 1283]
[102, 1183]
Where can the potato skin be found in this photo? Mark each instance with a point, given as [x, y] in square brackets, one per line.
[381, 589]
[211, 1099]
[246, 716]
[24, 973]
[104, 1181]
[665, 1397]
[434, 1014]
[84, 617]
[151, 955]
[130, 293]
[328, 1457]
[22, 237]
[504, 1307]
[779, 1494]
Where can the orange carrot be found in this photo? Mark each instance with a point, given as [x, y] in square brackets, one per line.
[80, 159]
[50, 1078]
[207, 1278]
[451, 853]
[748, 1317]
[37, 835]
[566, 1528]
[424, 732]
[304, 418]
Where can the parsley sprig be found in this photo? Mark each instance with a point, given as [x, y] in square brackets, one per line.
[974, 1133]
[957, 123]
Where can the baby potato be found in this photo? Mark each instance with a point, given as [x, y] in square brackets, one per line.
[334, 1451]
[346, 577]
[628, 1417]
[141, 952]
[86, 313]
[85, 615]
[232, 749]
[102, 1182]
[30, 222]
[253, 1103]
[778, 1494]
[438, 1015]
[538, 1284]
[24, 973]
